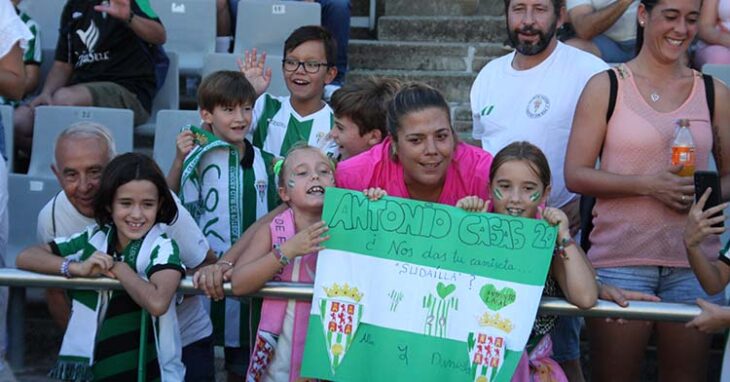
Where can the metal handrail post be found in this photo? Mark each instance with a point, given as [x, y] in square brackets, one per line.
[16, 327]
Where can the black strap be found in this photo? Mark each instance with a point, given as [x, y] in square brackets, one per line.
[588, 202]
[53, 215]
[613, 91]
[710, 94]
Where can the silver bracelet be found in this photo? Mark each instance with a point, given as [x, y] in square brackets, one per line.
[280, 256]
[225, 262]
[64, 268]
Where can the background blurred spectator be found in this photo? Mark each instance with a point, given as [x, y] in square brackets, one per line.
[606, 28]
[104, 57]
[31, 56]
[714, 33]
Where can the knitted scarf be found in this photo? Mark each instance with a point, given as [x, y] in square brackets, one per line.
[274, 310]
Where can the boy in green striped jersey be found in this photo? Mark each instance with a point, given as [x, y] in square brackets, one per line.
[226, 183]
[280, 122]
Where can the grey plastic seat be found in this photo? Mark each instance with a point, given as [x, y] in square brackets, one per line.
[168, 98]
[51, 120]
[26, 197]
[265, 24]
[225, 61]
[6, 113]
[169, 123]
[191, 30]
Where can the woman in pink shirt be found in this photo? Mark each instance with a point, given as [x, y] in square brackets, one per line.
[422, 158]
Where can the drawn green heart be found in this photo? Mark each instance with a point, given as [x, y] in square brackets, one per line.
[496, 300]
[445, 290]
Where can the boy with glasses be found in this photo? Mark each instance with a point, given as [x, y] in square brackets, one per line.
[308, 65]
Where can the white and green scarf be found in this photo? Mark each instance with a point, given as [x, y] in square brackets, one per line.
[89, 308]
[225, 194]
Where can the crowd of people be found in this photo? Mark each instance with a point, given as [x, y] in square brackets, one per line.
[242, 201]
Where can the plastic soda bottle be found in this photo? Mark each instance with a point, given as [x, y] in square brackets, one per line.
[683, 148]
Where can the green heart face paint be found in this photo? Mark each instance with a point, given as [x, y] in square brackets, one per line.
[535, 196]
[497, 194]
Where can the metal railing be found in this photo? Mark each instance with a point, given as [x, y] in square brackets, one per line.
[19, 280]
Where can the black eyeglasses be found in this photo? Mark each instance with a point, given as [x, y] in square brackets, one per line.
[311, 67]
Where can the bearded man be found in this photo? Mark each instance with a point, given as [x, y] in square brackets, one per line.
[530, 95]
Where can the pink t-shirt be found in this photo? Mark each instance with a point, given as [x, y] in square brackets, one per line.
[467, 175]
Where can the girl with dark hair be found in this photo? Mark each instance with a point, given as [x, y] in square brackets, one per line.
[120, 334]
[422, 158]
[627, 117]
[519, 182]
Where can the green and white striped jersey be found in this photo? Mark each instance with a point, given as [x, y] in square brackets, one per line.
[276, 126]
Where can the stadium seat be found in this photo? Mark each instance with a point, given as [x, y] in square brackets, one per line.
[47, 13]
[191, 30]
[51, 120]
[6, 113]
[26, 195]
[265, 24]
[169, 123]
[168, 98]
[225, 61]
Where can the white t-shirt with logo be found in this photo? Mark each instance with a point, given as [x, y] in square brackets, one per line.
[534, 105]
[191, 314]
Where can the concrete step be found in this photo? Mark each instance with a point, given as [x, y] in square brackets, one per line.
[462, 29]
[408, 55]
[454, 85]
[443, 8]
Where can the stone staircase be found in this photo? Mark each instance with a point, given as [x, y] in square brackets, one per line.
[443, 43]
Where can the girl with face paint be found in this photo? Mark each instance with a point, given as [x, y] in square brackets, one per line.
[519, 186]
[286, 250]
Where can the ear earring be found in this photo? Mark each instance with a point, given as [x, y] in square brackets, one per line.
[641, 23]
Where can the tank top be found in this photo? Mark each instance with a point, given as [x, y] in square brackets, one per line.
[641, 230]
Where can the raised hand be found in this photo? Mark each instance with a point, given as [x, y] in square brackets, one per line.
[255, 70]
[306, 241]
[699, 222]
[119, 9]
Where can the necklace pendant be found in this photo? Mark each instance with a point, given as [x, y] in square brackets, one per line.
[654, 96]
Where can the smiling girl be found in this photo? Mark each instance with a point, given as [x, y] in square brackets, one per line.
[286, 250]
[519, 186]
[110, 331]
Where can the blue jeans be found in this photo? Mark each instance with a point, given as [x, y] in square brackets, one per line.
[336, 19]
[2, 139]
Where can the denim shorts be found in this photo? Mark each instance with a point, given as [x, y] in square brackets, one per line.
[671, 284]
[566, 338]
[615, 51]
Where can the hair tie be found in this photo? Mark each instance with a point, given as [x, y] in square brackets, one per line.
[277, 165]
